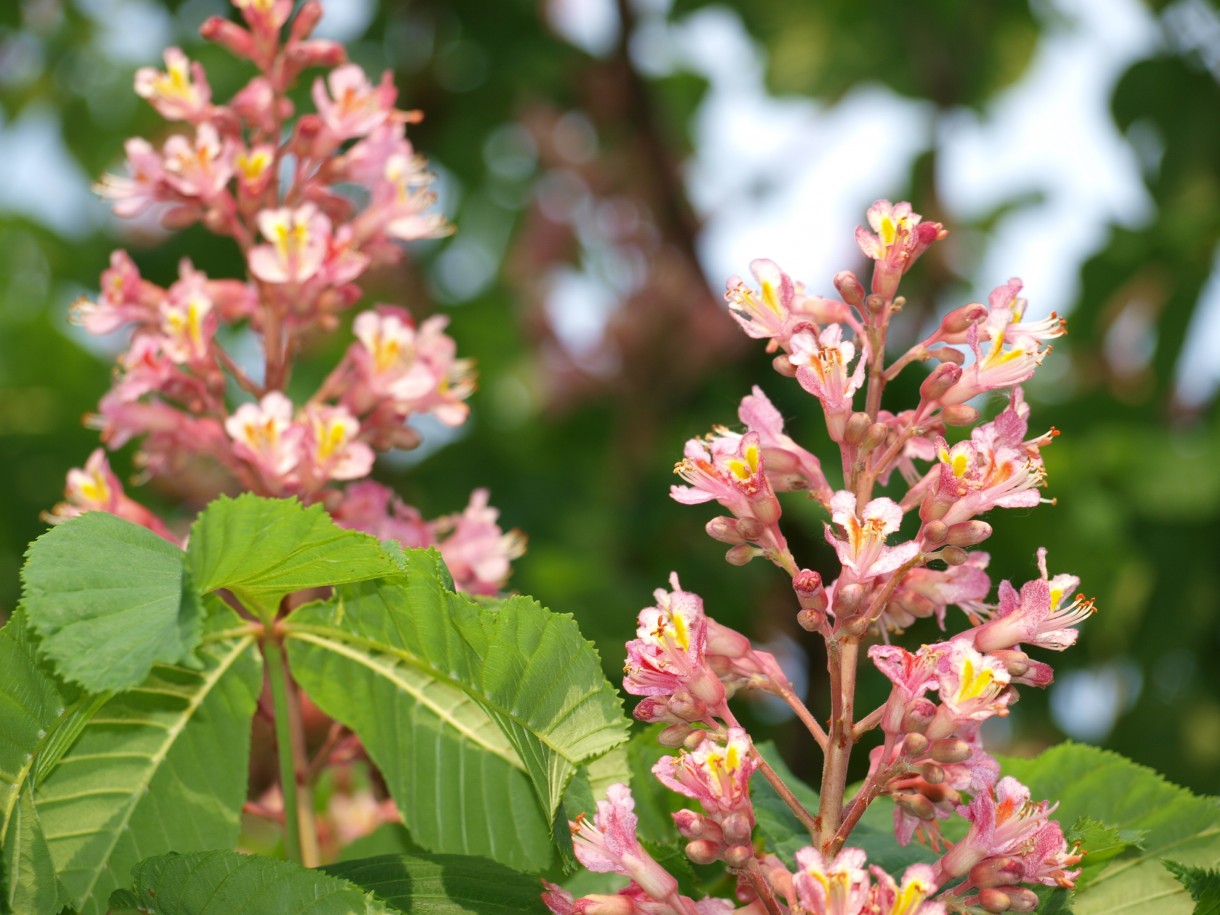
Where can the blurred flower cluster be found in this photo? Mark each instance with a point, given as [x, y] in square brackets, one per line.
[901, 558]
[313, 200]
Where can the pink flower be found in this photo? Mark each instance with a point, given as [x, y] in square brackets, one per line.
[972, 686]
[96, 488]
[201, 168]
[862, 548]
[264, 436]
[609, 845]
[125, 299]
[331, 448]
[716, 775]
[353, 107]
[188, 318]
[840, 887]
[900, 239]
[476, 550]
[822, 363]
[924, 592]
[299, 239]
[145, 185]
[1036, 616]
[788, 465]
[375, 509]
[666, 659]
[918, 884]
[181, 93]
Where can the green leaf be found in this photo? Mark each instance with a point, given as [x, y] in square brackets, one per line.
[476, 716]
[30, 705]
[228, 883]
[777, 824]
[262, 549]
[444, 884]
[1203, 884]
[109, 599]
[160, 767]
[1130, 798]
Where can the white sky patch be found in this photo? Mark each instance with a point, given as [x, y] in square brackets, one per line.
[346, 21]
[591, 25]
[1199, 365]
[41, 179]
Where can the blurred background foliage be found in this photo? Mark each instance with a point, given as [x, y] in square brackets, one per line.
[594, 157]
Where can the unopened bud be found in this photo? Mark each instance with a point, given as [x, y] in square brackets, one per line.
[968, 533]
[674, 735]
[1015, 661]
[724, 529]
[941, 795]
[932, 773]
[950, 750]
[738, 856]
[767, 508]
[875, 436]
[935, 507]
[848, 599]
[959, 414]
[701, 851]
[693, 739]
[306, 19]
[685, 706]
[693, 825]
[934, 532]
[947, 354]
[918, 716]
[937, 384]
[737, 828]
[1021, 899]
[875, 304]
[317, 53]
[180, 217]
[916, 804]
[914, 745]
[917, 605]
[706, 687]
[954, 325]
[850, 288]
[857, 425]
[811, 620]
[1004, 870]
[953, 555]
[229, 35]
[740, 555]
[810, 593]
[784, 366]
[749, 528]
[994, 899]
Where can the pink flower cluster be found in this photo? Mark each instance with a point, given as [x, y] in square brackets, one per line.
[903, 556]
[313, 200]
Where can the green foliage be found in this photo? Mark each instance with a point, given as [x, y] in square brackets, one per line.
[1160, 820]
[226, 883]
[93, 581]
[1203, 884]
[264, 549]
[443, 884]
[477, 715]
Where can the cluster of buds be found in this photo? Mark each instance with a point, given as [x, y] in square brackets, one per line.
[931, 761]
[313, 200]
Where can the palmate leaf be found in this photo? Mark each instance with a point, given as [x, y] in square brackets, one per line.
[477, 716]
[444, 884]
[109, 599]
[159, 767]
[262, 549]
[30, 705]
[227, 883]
[1170, 823]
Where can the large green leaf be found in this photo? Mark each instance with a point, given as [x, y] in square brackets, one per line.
[226, 883]
[30, 705]
[159, 767]
[444, 884]
[262, 549]
[1103, 786]
[463, 707]
[109, 599]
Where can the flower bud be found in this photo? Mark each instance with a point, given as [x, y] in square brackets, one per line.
[686, 707]
[968, 533]
[917, 605]
[1015, 661]
[953, 555]
[848, 599]
[938, 383]
[875, 304]
[875, 436]
[306, 20]
[916, 804]
[811, 620]
[954, 325]
[947, 354]
[692, 825]
[607, 904]
[932, 773]
[914, 745]
[693, 739]
[674, 735]
[706, 687]
[934, 533]
[857, 425]
[1003, 870]
[737, 828]
[918, 716]
[959, 414]
[850, 288]
[740, 554]
[701, 851]
[809, 591]
[724, 529]
[749, 529]
[935, 507]
[950, 750]
[994, 899]
[229, 35]
[738, 856]
[855, 626]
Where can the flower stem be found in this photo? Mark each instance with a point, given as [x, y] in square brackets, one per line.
[794, 701]
[300, 831]
[760, 886]
[798, 809]
[842, 657]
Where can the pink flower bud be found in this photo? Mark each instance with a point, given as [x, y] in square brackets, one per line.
[938, 383]
[857, 424]
[968, 533]
[935, 533]
[725, 530]
[947, 354]
[850, 288]
[1004, 870]
[932, 773]
[959, 414]
[737, 828]
[738, 855]
[914, 745]
[954, 325]
[228, 35]
[950, 750]
[674, 735]
[701, 851]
